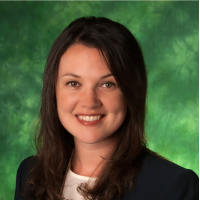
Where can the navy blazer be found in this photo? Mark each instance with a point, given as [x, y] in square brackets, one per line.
[158, 179]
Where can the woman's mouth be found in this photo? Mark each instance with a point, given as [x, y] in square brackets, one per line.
[89, 120]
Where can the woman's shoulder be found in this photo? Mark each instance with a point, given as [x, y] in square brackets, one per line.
[26, 165]
[162, 179]
[22, 174]
[160, 166]
[31, 161]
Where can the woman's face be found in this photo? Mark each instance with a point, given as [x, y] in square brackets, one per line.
[85, 92]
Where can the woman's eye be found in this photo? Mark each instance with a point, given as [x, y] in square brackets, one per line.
[108, 85]
[73, 84]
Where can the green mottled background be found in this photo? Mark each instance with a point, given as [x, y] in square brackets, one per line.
[168, 34]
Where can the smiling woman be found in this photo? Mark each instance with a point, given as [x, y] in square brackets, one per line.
[89, 98]
[91, 143]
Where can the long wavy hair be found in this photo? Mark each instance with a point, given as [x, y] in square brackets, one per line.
[55, 144]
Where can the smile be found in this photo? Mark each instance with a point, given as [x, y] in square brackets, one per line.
[89, 118]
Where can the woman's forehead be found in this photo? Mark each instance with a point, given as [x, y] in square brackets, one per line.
[84, 60]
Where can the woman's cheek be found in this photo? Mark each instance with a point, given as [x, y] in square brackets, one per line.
[115, 102]
[66, 100]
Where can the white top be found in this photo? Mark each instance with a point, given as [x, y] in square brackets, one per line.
[71, 183]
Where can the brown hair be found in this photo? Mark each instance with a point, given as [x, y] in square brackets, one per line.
[55, 144]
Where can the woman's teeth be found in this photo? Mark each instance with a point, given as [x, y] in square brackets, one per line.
[89, 118]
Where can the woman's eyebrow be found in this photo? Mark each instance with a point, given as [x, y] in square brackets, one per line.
[74, 75]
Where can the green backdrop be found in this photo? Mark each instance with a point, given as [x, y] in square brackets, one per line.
[168, 34]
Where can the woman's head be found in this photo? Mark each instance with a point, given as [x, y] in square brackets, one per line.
[122, 56]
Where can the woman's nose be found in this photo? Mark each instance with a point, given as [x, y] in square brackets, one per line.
[89, 99]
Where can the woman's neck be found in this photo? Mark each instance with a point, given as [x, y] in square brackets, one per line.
[88, 158]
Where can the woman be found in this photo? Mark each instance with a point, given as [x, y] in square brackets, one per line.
[91, 143]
